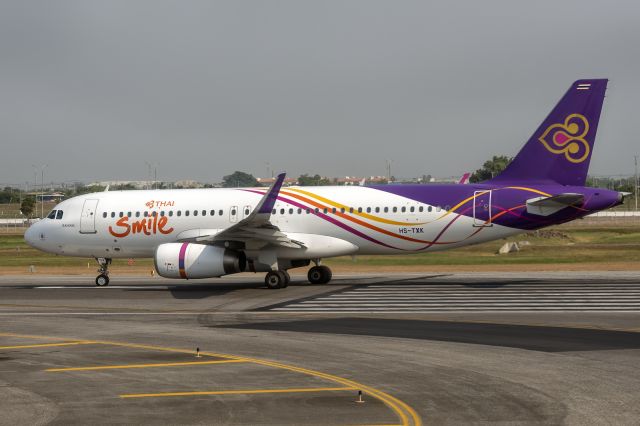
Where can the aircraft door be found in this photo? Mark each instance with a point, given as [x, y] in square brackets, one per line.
[88, 217]
[482, 208]
[233, 214]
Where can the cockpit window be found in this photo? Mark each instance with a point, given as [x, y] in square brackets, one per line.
[52, 215]
[59, 214]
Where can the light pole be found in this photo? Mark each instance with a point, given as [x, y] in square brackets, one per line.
[35, 173]
[635, 181]
[42, 192]
[148, 173]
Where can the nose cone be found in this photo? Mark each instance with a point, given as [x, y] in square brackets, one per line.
[31, 235]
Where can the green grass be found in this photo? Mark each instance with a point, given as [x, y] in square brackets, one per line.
[558, 245]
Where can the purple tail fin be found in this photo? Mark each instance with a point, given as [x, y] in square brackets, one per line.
[560, 150]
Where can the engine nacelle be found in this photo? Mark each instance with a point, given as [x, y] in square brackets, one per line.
[188, 260]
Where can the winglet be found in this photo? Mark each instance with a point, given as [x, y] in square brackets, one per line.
[269, 200]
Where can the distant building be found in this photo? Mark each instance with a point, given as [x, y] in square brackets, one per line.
[186, 183]
[349, 180]
[269, 181]
[52, 197]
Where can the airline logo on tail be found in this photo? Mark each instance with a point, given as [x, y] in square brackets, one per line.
[568, 138]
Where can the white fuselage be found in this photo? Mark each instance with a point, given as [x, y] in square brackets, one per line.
[331, 221]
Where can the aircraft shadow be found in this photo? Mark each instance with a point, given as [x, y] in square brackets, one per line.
[535, 338]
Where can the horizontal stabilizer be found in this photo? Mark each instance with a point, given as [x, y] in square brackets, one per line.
[546, 206]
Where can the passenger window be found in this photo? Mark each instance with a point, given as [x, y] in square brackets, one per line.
[308, 211]
[59, 215]
[137, 214]
[386, 209]
[324, 210]
[403, 209]
[290, 211]
[421, 209]
[195, 212]
[212, 212]
[377, 209]
[359, 209]
[447, 208]
[51, 215]
[179, 212]
[204, 212]
[395, 209]
[120, 214]
[412, 209]
[154, 214]
[342, 210]
[113, 214]
[162, 213]
[186, 212]
[438, 208]
[281, 211]
[146, 214]
[317, 210]
[104, 215]
[350, 209]
[170, 213]
[368, 209]
[220, 212]
[299, 211]
[273, 211]
[129, 214]
[246, 212]
[333, 210]
[429, 209]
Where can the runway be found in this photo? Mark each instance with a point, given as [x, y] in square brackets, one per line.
[422, 349]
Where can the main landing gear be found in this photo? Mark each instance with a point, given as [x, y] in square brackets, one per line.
[319, 274]
[103, 270]
[277, 279]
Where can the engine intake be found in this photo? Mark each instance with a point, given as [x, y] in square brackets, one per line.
[188, 260]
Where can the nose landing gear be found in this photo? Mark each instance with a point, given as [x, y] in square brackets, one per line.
[103, 270]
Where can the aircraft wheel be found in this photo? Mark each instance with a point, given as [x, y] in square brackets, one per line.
[287, 279]
[319, 275]
[275, 279]
[102, 280]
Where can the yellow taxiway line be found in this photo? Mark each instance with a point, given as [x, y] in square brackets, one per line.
[408, 416]
[234, 392]
[164, 364]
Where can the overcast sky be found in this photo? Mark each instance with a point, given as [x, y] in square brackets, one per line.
[96, 88]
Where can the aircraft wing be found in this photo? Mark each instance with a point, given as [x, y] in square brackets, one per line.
[255, 230]
[546, 206]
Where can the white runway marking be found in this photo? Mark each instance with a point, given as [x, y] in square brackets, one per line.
[112, 287]
[457, 297]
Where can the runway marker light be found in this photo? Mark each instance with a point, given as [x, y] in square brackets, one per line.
[197, 352]
[360, 400]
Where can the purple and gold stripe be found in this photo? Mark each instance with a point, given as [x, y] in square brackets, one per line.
[181, 256]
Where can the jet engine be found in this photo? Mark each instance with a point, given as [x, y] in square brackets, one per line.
[188, 260]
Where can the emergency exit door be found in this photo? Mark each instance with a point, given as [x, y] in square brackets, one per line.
[482, 208]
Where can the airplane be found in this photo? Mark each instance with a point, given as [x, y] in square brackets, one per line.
[207, 233]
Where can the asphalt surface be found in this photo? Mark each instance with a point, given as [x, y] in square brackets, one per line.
[423, 349]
